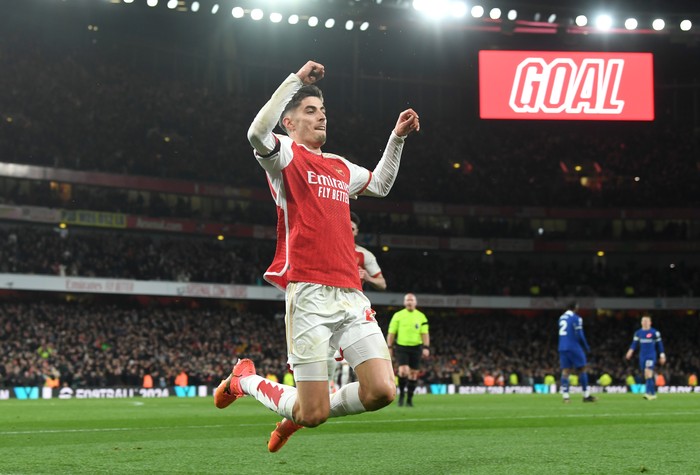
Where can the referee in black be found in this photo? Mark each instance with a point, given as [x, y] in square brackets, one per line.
[409, 338]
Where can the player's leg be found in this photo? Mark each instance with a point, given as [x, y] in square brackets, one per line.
[402, 356]
[411, 386]
[375, 387]
[311, 405]
[414, 365]
[583, 376]
[364, 348]
[244, 381]
[375, 378]
[580, 364]
[565, 385]
[566, 365]
[404, 373]
[311, 312]
[649, 378]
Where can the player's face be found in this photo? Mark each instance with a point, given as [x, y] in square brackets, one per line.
[307, 124]
[409, 301]
[355, 230]
[646, 323]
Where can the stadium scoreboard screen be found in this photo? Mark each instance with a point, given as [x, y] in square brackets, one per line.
[551, 85]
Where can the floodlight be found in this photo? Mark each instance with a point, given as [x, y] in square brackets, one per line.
[194, 7]
[293, 19]
[581, 20]
[215, 9]
[330, 23]
[364, 26]
[603, 22]
[631, 23]
[658, 24]
[477, 11]
[512, 15]
[686, 25]
[275, 17]
[313, 21]
[495, 13]
[349, 25]
[421, 5]
[458, 9]
[151, 3]
[237, 12]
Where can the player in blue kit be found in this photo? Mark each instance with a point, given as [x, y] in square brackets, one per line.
[648, 341]
[572, 352]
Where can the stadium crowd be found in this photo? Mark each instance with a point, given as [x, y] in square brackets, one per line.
[47, 251]
[54, 251]
[95, 345]
[68, 110]
[253, 212]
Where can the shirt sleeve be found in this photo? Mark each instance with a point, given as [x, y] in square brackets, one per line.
[384, 175]
[581, 336]
[393, 325]
[359, 178]
[424, 327]
[260, 133]
[635, 342]
[371, 265]
[659, 343]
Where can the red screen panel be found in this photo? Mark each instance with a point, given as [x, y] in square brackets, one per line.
[556, 85]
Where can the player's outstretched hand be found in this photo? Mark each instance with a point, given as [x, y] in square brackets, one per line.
[407, 123]
[311, 72]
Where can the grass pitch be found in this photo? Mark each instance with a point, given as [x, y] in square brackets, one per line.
[474, 434]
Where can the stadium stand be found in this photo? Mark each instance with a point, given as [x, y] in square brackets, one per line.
[101, 344]
[80, 105]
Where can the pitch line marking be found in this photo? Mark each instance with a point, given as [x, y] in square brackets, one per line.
[373, 421]
[106, 429]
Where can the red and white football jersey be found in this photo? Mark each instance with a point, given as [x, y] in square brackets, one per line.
[312, 193]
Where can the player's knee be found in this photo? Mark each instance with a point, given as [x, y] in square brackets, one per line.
[379, 396]
[311, 418]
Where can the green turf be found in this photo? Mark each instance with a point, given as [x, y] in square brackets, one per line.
[484, 434]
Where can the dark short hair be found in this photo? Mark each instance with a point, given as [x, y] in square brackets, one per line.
[355, 218]
[572, 305]
[305, 91]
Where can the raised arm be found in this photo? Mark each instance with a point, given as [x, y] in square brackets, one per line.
[260, 132]
[387, 169]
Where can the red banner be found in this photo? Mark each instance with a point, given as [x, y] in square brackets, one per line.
[557, 85]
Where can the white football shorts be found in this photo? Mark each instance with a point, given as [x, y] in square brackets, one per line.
[321, 319]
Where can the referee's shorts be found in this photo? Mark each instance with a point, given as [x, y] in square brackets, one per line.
[408, 355]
